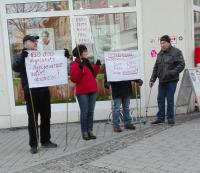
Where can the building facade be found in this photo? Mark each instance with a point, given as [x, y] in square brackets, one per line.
[115, 25]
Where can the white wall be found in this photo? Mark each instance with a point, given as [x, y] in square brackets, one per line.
[4, 99]
[162, 17]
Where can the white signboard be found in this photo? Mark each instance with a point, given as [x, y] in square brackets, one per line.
[190, 84]
[122, 65]
[195, 78]
[46, 68]
[82, 29]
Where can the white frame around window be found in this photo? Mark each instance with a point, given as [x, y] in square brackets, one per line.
[68, 13]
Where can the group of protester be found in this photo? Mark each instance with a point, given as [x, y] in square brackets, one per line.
[167, 67]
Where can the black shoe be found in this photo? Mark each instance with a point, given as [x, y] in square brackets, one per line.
[130, 127]
[85, 136]
[49, 145]
[117, 130]
[33, 150]
[171, 122]
[91, 135]
[157, 122]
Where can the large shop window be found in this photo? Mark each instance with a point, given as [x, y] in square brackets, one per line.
[113, 32]
[37, 7]
[91, 4]
[54, 29]
[117, 31]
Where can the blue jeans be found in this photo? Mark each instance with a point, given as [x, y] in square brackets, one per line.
[87, 104]
[166, 91]
[126, 118]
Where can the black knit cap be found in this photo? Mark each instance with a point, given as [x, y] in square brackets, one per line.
[30, 37]
[165, 38]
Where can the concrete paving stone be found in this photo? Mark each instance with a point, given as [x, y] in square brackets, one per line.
[148, 148]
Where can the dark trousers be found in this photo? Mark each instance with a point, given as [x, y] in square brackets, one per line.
[42, 106]
[166, 91]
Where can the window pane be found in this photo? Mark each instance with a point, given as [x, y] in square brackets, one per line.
[37, 7]
[113, 32]
[54, 33]
[196, 2]
[90, 4]
[197, 28]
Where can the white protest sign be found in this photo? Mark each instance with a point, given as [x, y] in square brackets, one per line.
[82, 29]
[46, 68]
[122, 65]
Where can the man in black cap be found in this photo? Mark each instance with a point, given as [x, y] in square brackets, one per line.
[40, 97]
[167, 67]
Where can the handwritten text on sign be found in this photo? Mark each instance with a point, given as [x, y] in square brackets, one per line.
[83, 30]
[46, 68]
[122, 65]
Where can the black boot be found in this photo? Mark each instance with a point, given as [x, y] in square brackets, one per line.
[91, 135]
[34, 150]
[85, 136]
[49, 144]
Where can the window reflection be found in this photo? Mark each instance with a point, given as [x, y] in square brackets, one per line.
[91, 4]
[54, 33]
[113, 32]
[37, 7]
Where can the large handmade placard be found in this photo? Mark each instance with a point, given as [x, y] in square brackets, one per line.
[82, 30]
[122, 65]
[46, 68]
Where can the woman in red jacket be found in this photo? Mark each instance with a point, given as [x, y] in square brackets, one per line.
[83, 74]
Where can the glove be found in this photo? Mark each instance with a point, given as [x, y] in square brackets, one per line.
[85, 61]
[98, 62]
[24, 54]
[66, 54]
[140, 82]
[106, 85]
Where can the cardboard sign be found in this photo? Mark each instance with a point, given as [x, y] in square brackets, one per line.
[190, 83]
[82, 29]
[122, 65]
[46, 68]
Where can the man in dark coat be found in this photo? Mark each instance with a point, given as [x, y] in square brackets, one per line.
[167, 67]
[40, 97]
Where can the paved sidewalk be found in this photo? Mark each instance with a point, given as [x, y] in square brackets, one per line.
[155, 149]
[175, 150]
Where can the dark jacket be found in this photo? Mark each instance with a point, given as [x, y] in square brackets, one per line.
[120, 88]
[168, 65]
[19, 66]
